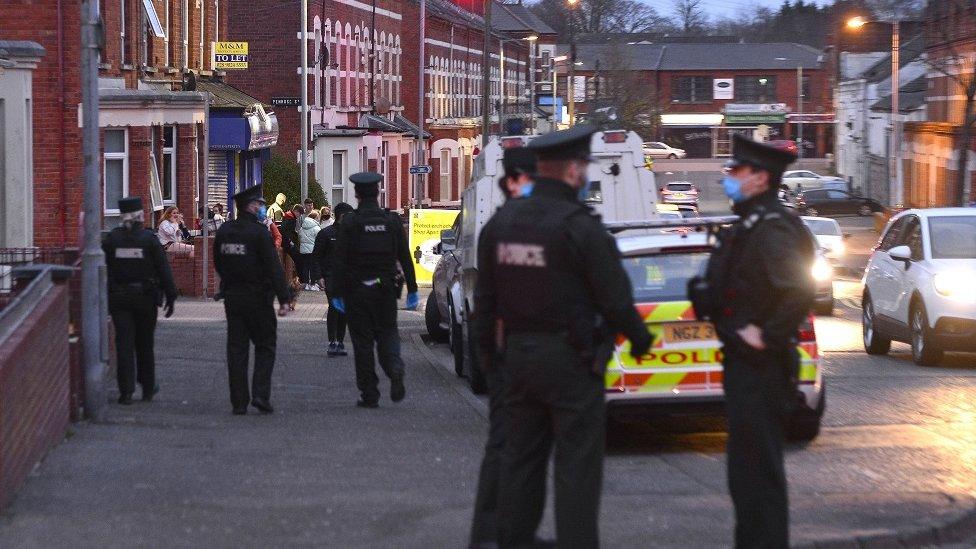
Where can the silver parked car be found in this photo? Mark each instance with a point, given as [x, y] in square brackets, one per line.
[442, 317]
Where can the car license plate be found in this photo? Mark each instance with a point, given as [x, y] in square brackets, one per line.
[689, 331]
[678, 195]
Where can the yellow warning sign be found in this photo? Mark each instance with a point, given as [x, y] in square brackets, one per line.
[230, 55]
[425, 235]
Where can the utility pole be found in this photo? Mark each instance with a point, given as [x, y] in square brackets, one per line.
[503, 93]
[93, 275]
[899, 195]
[303, 40]
[421, 97]
[799, 111]
[485, 77]
[532, 46]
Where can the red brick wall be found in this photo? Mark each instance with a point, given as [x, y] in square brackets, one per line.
[34, 382]
[188, 271]
[57, 139]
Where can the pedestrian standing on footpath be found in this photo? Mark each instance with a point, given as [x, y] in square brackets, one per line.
[757, 290]
[249, 269]
[370, 243]
[306, 243]
[139, 279]
[551, 297]
[324, 255]
[520, 167]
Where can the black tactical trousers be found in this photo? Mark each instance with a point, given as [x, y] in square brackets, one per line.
[551, 399]
[134, 315]
[335, 322]
[484, 527]
[757, 390]
[250, 319]
[371, 313]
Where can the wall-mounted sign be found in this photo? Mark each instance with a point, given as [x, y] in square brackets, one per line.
[723, 88]
[755, 108]
[286, 101]
[230, 55]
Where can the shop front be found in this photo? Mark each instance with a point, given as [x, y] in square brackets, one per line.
[692, 132]
[242, 133]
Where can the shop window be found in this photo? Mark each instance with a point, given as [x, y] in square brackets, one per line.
[755, 89]
[445, 174]
[169, 165]
[691, 89]
[115, 169]
[337, 194]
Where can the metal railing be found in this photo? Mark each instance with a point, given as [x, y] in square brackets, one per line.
[12, 258]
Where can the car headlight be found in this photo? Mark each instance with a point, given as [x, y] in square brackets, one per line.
[955, 285]
[822, 270]
[839, 249]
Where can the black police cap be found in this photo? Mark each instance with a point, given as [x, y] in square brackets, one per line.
[250, 194]
[130, 204]
[571, 144]
[366, 182]
[342, 208]
[518, 161]
[746, 152]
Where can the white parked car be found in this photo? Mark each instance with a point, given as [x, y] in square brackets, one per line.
[918, 285]
[829, 236]
[656, 149]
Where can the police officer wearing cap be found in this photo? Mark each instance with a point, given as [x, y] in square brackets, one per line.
[370, 243]
[757, 290]
[519, 164]
[139, 279]
[550, 277]
[252, 276]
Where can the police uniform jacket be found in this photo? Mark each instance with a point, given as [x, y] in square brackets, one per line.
[761, 273]
[547, 264]
[325, 249]
[246, 260]
[369, 244]
[137, 257]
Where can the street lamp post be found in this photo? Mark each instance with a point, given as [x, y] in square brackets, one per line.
[799, 110]
[304, 114]
[532, 46]
[898, 197]
[571, 88]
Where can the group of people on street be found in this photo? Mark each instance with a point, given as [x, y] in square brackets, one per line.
[551, 294]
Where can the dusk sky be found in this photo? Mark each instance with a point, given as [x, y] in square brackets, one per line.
[723, 8]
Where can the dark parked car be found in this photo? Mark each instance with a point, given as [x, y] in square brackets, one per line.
[827, 202]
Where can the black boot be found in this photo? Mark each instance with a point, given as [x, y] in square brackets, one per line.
[125, 399]
[397, 390]
[148, 394]
[262, 405]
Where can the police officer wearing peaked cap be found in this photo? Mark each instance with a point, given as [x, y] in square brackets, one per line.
[758, 289]
[370, 243]
[252, 276]
[139, 278]
[551, 296]
[519, 164]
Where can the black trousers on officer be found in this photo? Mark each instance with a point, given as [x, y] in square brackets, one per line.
[484, 526]
[757, 391]
[552, 398]
[250, 319]
[371, 313]
[134, 314]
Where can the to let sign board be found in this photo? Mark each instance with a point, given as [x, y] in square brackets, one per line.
[230, 55]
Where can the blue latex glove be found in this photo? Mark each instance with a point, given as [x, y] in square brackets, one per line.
[413, 299]
[339, 304]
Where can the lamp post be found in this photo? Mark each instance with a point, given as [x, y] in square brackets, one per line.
[532, 46]
[571, 89]
[898, 197]
[304, 95]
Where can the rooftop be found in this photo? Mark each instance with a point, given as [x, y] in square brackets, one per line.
[911, 97]
[689, 57]
[226, 96]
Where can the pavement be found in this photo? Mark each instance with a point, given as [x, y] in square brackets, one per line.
[894, 465]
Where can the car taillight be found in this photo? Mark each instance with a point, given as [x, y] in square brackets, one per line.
[807, 332]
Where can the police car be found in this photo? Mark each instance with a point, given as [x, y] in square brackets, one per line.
[683, 370]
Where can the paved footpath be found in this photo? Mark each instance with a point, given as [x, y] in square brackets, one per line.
[898, 455]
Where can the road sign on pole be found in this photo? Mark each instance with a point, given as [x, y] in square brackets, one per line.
[417, 170]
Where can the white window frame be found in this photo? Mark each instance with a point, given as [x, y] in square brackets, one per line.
[171, 151]
[384, 152]
[166, 37]
[122, 31]
[340, 184]
[445, 175]
[185, 30]
[124, 157]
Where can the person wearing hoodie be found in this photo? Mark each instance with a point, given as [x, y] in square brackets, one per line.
[307, 232]
[290, 222]
[324, 256]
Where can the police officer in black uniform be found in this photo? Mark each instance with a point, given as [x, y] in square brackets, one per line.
[139, 278]
[519, 164]
[757, 290]
[371, 242]
[550, 277]
[251, 275]
[324, 255]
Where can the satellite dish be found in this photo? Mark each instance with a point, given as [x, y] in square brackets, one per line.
[189, 81]
[383, 105]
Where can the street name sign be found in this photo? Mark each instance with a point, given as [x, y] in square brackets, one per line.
[286, 101]
[417, 170]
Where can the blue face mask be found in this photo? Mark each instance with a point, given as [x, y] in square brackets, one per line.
[262, 213]
[584, 191]
[526, 190]
[733, 188]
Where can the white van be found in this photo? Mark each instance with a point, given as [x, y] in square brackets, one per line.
[621, 189]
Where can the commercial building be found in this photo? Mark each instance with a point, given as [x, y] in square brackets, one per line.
[699, 94]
